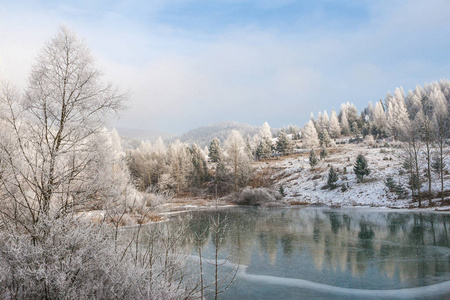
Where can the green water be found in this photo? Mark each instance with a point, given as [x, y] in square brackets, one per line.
[322, 253]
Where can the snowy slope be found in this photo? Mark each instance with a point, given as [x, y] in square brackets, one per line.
[301, 184]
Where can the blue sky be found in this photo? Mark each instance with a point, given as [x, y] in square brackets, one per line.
[192, 63]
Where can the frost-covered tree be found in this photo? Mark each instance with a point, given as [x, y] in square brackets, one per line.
[237, 159]
[345, 126]
[335, 128]
[442, 125]
[325, 121]
[199, 169]
[147, 163]
[397, 114]
[369, 110]
[350, 112]
[215, 151]
[426, 126]
[264, 141]
[179, 164]
[48, 148]
[309, 135]
[284, 144]
[388, 99]
[414, 102]
[325, 140]
[379, 121]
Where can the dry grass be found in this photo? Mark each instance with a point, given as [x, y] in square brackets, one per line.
[298, 203]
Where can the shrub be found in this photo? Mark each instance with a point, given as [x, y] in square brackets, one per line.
[258, 196]
[69, 259]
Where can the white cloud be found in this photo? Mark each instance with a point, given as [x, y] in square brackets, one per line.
[181, 79]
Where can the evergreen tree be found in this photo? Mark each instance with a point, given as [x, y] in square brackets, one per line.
[199, 171]
[332, 178]
[282, 192]
[323, 153]
[215, 151]
[325, 140]
[361, 167]
[259, 151]
[284, 145]
[313, 159]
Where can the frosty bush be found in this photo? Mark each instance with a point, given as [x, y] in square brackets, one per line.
[68, 259]
[258, 197]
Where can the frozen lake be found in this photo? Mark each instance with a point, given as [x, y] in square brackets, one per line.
[323, 253]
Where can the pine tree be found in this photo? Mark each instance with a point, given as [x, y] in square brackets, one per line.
[325, 140]
[323, 153]
[199, 170]
[284, 145]
[361, 168]
[313, 159]
[332, 178]
[215, 151]
[259, 151]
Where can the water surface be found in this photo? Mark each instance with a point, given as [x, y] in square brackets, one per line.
[323, 253]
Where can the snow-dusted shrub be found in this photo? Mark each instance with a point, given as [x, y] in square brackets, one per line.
[258, 196]
[69, 259]
[369, 140]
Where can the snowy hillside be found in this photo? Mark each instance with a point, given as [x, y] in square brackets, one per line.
[304, 185]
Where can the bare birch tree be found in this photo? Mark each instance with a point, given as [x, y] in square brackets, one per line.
[48, 149]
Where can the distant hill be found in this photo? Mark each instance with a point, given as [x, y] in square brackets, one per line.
[204, 135]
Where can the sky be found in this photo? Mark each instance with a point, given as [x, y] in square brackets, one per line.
[191, 63]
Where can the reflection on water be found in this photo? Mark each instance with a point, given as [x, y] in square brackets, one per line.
[346, 248]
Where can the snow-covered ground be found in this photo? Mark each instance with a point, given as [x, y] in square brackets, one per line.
[303, 185]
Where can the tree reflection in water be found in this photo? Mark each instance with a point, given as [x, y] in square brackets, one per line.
[406, 246]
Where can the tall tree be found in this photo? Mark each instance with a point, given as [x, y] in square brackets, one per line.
[179, 164]
[310, 137]
[441, 121]
[237, 159]
[335, 128]
[265, 141]
[49, 149]
[345, 126]
[215, 151]
[379, 119]
[426, 126]
[199, 170]
[410, 135]
[397, 114]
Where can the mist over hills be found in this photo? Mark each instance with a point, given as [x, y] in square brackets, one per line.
[203, 136]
